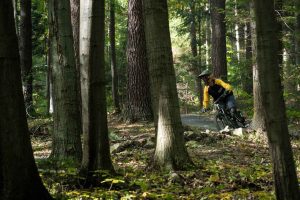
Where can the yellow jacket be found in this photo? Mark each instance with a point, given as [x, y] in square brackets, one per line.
[219, 82]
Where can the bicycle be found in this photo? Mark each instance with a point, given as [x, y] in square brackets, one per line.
[224, 118]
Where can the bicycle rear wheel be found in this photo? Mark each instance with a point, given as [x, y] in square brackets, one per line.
[240, 120]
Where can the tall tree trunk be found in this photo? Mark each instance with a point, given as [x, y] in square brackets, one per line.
[219, 61]
[138, 84]
[237, 27]
[75, 14]
[15, 5]
[195, 62]
[297, 34]
[285, 177]
[19, 178]
[170, 151]
[258, 121]
[247, 81]
[96, 154]
[208, 36]
[25, 48]
[66, 116]
[279, 12]
[113, 59]
[201, 39]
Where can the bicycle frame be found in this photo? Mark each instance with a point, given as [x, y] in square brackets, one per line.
[223, 118]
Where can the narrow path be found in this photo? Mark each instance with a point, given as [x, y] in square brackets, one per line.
[199, 121]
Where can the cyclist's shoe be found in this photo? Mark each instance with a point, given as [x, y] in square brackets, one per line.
[204, 110]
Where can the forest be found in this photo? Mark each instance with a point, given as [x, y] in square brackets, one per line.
[149, 99]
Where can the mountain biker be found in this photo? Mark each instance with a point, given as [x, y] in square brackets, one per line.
[216, 88]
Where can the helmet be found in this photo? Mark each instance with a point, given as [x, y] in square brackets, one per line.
[204, 73]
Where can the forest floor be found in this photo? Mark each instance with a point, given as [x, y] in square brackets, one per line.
[226, 166]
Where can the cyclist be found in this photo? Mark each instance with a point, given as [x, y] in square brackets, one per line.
[216, 88]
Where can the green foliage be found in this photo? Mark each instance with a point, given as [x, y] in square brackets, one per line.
[39, 71]
[39, 27]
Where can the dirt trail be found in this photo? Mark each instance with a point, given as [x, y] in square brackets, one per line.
[200, 121]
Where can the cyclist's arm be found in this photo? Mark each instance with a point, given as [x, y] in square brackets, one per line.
[205, 97]
[223, 84]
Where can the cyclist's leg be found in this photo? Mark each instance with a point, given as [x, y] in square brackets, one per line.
[231, 106]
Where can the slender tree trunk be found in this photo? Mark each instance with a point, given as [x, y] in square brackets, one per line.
[258, 121]
[237, 27]
[248, 83]
[246, 52]
[170, 151]
[297, 34]
[19, 178]
[201, 38]
[219, 61]
[75, 14]
[138, 84]
[66, 132]
[25, 47]
[285, 177]
[15, 5]
[208, 34]
[114, 69]
[96, 154]
[278, 14]
[195, 62]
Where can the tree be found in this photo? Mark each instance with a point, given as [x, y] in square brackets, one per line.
[138, 85]
[248, 83]
[66, 116]
[278, 14]
[258, 121]
[218, 51]
[25, 48]
[114, 69]
[285, 177]
[297, 33]
[75, 8]
[96, 153]
[195, 69]
[19, 177]
[170, 152]
[15, 5]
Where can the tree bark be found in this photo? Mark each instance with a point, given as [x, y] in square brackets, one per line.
[208, 37]
[113, 59]
[25, 49]
[170, 151]
[193, 43]
[285, 177]
[15, 5]
[138, 84]
[66, 116]
[297, 33]
[96, 153]
[19, 178]
[218, 56]
[258, 121]
[279, 12]
[75, 14]
[248, 83]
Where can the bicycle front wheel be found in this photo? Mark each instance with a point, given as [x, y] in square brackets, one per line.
[220, 122]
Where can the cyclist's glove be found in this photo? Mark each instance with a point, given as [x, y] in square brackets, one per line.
[227, 92]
